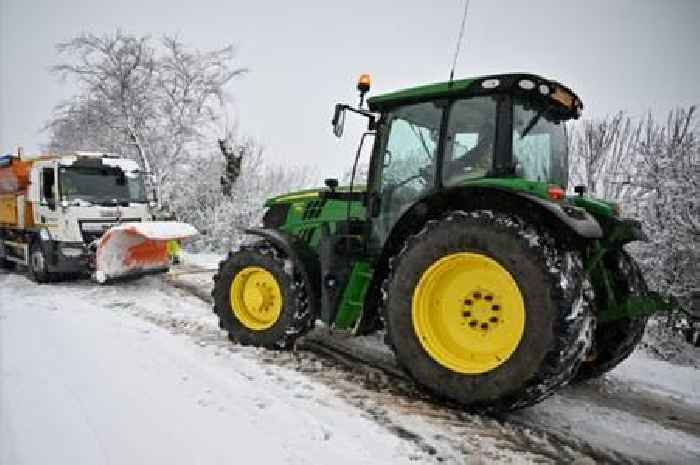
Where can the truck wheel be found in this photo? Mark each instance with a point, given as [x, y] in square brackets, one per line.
[614, 341]
[487, 311]
[5, 264]
[260, 300]
[37, 264]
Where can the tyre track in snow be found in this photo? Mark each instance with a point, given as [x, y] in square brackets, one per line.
[373, 384]
[390, 384]
[385, 397]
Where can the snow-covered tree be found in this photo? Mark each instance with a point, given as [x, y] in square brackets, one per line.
[667, 200]
[222, 218]
[653, 170]
[162, 101]
[166, 105]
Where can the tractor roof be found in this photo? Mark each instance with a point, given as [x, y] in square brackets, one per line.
[470, 86]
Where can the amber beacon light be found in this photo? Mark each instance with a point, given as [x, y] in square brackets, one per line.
[363, 83]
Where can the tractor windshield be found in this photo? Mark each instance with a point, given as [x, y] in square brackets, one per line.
[470, 140]
[107, 185]
[539, 144]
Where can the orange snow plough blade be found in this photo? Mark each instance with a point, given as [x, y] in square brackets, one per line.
[137, 248]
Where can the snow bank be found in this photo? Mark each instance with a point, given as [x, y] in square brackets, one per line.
[159, 230]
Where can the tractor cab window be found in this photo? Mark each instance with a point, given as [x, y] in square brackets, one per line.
[410, 152]
[469, 146]
[407, 168]
[539, 144]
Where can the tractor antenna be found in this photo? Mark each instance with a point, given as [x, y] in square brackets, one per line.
[459, 42]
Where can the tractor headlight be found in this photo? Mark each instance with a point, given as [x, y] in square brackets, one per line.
[526, 84]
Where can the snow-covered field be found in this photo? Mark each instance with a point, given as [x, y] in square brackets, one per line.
[138, 372]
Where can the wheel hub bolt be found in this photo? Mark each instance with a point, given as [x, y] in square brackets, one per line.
[493, 319]
[495, 308]
[484, 326]
[473, 323]
[477, 295]
[488, 298]
[466, 314]
[468, 302]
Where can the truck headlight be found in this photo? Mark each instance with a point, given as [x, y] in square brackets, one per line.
[44, 234]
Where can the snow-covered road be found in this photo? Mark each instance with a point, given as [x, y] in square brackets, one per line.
[139, 372]
[83, 381]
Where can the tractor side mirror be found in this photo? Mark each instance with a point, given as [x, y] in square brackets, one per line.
[332, 184]
[338, 120]
[580, 190]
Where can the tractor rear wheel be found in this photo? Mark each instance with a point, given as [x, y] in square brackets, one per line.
[260, 300]
[614, 341]
[487, 311]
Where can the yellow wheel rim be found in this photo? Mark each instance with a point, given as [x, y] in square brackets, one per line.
[256, 298]
[468, 313]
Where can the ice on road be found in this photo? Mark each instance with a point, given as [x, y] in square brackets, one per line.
[82, 381]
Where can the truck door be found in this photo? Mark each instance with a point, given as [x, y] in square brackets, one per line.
[46, 212]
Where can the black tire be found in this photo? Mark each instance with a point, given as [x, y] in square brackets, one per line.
[614, 341]
[5, 264]
[296, 317]
[37, 264]
[558, 321]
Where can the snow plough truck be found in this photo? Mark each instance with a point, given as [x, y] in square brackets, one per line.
[81, 213]
[494, 287]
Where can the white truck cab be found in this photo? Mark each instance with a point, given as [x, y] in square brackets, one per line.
[77, 198]
[54, 224]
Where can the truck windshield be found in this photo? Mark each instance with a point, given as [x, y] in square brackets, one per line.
[539, 144]
[105, 185]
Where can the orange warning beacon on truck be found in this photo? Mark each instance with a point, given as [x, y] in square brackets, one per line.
[83, 212]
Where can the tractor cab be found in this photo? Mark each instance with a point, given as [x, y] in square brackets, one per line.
[503, 131]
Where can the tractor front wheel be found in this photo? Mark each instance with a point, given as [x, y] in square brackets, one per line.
[487, 311]
[614, 341]
[260, 300]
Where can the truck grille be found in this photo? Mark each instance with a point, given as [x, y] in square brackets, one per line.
[92, 230]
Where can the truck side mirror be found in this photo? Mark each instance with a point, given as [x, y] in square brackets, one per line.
[338, 121]
[580, 190]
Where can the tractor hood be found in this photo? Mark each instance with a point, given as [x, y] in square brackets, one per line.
[596, 207]
[307, 195]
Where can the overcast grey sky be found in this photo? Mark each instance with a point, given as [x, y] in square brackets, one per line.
[304, 56]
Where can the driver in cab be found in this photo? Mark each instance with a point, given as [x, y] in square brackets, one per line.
[475, 162]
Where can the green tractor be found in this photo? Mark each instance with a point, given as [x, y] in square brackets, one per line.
[494, 287]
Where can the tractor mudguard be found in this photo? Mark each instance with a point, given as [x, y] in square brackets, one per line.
[579, 220]
[469, 198]
[304, 258]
